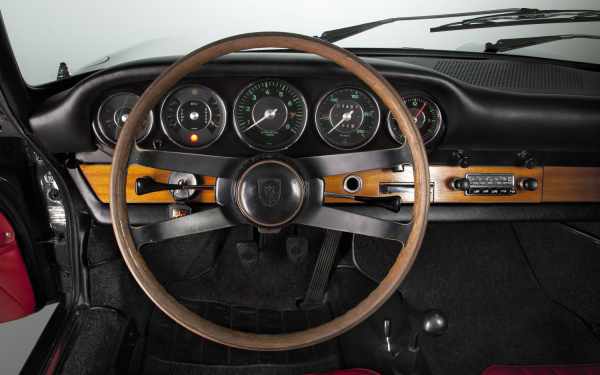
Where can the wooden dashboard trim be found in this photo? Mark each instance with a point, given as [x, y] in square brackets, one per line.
[556, 184]
[569, 184]
[98, 178]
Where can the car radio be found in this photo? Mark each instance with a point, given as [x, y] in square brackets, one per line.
[491, 184]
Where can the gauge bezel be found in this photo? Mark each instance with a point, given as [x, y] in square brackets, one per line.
[235, 123]
[97, 126]
[369, 94]
[220, 100]
[439, 127]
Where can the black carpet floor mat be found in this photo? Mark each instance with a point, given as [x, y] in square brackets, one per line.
[261, 297]
[497, 313]
[92, 348]
[476, 273]
[567, 264]
[171, 349]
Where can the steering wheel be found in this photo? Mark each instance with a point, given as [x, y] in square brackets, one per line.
[296, 198]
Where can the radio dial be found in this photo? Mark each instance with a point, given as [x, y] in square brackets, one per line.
[530, 184]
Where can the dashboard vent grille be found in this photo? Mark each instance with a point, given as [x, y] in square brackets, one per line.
[508, 75]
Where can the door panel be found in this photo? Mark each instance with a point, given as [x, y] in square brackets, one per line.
[16, 293]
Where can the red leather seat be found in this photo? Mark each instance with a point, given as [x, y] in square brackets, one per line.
[16, 294]
[503, 370]
[543, 370]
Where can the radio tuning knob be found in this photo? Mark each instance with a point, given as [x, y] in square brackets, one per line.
[460, 184]
[530, 184]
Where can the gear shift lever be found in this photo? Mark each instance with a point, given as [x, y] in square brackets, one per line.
[434, 323]
[408, 360]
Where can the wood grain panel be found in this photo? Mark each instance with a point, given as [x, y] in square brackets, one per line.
[98, 177]
[568, 184]
[441, 176]
[557, 184]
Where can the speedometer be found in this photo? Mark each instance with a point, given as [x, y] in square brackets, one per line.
[347, 118]
[193, 116]
[270, 115]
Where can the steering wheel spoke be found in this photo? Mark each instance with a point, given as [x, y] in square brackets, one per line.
[346, 221]
[315, 214]
[327, 165]
[201, 164]
[198, 222]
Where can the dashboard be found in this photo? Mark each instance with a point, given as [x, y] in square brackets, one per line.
[266, 114]
[269, 115]
[519, 121]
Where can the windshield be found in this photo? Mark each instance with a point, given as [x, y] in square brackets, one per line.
[93, 35]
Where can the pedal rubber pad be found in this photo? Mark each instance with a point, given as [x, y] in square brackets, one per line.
[296, 248]
[247, 252]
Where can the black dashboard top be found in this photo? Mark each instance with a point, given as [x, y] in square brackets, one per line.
[493, 110]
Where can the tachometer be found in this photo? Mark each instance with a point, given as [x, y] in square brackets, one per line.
[193, 116]
[426, 115]
[347, 118]
[113, 113]
[270, 115]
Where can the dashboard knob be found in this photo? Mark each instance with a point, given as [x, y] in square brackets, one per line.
[460, 184]
[530, 184]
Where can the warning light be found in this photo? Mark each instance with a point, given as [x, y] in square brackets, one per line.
[194, 138]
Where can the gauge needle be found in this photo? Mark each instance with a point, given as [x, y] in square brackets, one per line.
[269, 114]
[420, 111]
[345, 117]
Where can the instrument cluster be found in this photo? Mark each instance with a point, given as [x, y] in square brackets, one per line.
[268, 115]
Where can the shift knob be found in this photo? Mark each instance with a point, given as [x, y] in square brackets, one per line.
[434, 323]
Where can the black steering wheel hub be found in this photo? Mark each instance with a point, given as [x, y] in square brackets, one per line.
[270, 193]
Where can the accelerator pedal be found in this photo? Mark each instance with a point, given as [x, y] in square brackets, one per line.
[317, 288]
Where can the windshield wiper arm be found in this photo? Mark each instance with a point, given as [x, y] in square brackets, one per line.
[335, 35]
[523, 16]
[503, 45]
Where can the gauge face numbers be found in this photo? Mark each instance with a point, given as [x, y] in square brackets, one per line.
[270, 115]
[425, 114]
[347, 118]
[193, 116]
[113, 114]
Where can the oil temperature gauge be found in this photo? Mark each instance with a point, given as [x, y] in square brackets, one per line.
[425, 114]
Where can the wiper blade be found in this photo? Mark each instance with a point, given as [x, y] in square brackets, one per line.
[523, 16]
[503, 45]
[335, 35]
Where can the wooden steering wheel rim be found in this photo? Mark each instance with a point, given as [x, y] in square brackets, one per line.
[144, 276]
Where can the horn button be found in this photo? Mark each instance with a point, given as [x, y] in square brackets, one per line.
[270, 193]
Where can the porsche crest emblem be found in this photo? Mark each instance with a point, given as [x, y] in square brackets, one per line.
[269, 191]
